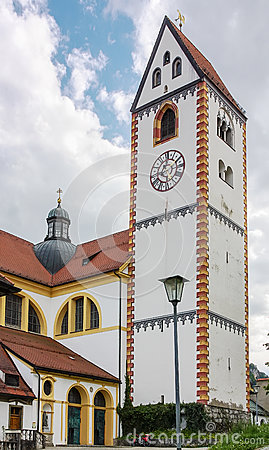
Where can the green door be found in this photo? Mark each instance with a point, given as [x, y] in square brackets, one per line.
[99, 427]
[73, 425]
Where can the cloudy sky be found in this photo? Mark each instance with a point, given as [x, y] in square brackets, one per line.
[69, 72]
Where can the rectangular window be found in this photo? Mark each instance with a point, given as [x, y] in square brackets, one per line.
[79, 315]
[58, 229]
[11, 380]
[13, 311]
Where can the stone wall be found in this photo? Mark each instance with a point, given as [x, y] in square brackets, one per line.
[225, 418]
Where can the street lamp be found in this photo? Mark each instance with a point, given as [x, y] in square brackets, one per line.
[174, 288]
[256, 388]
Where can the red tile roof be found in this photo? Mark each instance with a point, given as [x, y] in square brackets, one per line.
[205, 66]
[17, 257]
[8, 367]
[45, 353]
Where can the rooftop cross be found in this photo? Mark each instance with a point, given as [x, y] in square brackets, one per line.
[59, 198]
[181, 19]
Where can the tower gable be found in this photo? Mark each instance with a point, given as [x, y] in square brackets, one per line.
[167, 44]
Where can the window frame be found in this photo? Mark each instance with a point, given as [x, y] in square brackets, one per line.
[174, 74]
[167, 53]
[156, 83]
[90, 311]
[157, 140]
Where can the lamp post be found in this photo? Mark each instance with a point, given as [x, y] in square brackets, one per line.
[256, 388]
[174, 288]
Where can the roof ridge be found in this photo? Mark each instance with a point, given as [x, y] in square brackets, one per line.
[210, 72]
[106, 236]
[14, 237]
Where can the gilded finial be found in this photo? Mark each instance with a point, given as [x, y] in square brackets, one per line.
[181, 19]
[59, 198]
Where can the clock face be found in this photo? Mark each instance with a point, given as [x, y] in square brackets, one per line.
[167, 170]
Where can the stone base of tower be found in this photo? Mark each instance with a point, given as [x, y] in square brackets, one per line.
[225, 417]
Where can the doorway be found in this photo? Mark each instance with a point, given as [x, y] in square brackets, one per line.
[99, 419]
[74, 413]
[15, 417]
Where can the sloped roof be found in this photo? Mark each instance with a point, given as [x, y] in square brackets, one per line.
[23, 391]
[44, 353]
[17, 257]
[197, 59]
[204, 65]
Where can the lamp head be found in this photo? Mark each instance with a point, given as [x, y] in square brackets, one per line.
[174, 287]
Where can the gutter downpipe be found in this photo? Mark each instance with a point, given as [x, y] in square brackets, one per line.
[119, 356]
[38, 401]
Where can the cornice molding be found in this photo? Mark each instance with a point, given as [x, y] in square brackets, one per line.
[222, 103]
[183, 211]
[188, 316]
[226, 220]
[167, 216]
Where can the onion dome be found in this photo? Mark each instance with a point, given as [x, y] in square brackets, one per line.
[56, 249]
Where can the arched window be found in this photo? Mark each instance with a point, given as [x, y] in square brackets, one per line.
[166, 58]
[176, 67]
[78, 314]
[221, 170]
[168, 124]
[229, 176]
[225, 129]
[156, 77]
[74, 396]
[33, 320]
[99, 400]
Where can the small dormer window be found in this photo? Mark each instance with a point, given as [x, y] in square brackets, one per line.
[11, 380]
[176, 67]
[156, 77]
[166, 58]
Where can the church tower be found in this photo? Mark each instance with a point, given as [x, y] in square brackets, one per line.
[188, 217]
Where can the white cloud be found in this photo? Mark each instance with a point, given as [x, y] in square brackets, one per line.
[45, 140]
[117, 101]
[84, 68]
[110, 40]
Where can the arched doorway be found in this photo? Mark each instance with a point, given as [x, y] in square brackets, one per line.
[99, 418]
[74, 416]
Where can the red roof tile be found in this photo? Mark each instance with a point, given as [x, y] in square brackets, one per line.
[17, 257]
[8, 367]
[45, 353]
[205, 66]
[110, 253]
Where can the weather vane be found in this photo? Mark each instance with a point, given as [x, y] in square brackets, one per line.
[181, 19]
[59, 198]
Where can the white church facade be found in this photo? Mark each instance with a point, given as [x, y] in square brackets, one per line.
[72, 318]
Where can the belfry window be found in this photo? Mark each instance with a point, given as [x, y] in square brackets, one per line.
[166, 58]
[168, 124]
[156, 77]
[13, 311]
[229, 176]
[225, 129]
[176, 67]
[33, 320]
